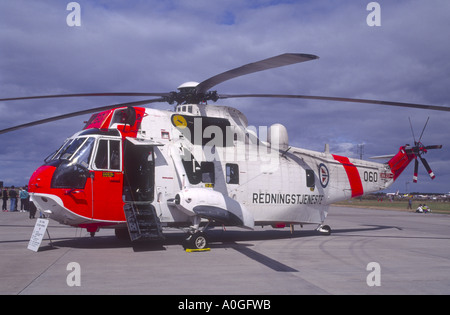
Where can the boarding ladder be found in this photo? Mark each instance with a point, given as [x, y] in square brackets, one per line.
[142, 221]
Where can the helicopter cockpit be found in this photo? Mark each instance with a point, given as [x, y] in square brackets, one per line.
[91, 149]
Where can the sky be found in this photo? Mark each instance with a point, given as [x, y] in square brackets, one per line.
[154, 46]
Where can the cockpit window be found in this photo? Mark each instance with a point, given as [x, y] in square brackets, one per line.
[67, 150]
[73, 159]
[72, 172]
[82, 156]
[56, 154]
[71, 148]
[108, 155]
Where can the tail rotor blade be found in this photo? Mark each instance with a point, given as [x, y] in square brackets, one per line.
[427, 167]
[423, 130]
[416, 170]
[412, 130]
[428, 147]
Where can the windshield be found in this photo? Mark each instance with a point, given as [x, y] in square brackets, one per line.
[82, 154]
[74, 158]
[56, 154]
[77, 150]
[69, 150]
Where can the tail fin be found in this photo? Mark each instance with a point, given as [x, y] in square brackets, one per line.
[400, 161]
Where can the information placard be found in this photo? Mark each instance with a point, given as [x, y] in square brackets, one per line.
[38, 234]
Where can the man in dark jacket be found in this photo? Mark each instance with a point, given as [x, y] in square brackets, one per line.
[5, 198]
[13, 199]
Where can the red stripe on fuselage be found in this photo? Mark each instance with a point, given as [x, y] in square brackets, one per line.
[352, 174]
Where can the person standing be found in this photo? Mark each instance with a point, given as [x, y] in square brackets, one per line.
[13, 199]
[5, 199]
[23, 194]
[32, 209]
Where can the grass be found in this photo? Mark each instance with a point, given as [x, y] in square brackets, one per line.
[435, 206]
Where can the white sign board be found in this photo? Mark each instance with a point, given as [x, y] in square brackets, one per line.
[38, 234]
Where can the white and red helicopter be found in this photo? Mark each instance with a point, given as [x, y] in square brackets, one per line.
[139, 170]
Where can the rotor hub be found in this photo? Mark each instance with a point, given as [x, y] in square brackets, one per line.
[188, 94]
[190, 85]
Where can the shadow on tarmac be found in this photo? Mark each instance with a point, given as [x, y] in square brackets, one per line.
[217, 238]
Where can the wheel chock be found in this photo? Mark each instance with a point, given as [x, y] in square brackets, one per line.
[192, 250]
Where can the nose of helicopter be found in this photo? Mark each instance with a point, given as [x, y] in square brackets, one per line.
[41, 179]
[40, 190]
[48, 199]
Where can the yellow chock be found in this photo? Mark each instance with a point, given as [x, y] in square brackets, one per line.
[192, 250]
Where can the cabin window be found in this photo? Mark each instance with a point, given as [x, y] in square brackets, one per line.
[207, 169]
[191, 167]
[114, 155]
[165, 135]
[124, 116]
[310, 182]
[101, 160]
[196, 172]
[232, 172]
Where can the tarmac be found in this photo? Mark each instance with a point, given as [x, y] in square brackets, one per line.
[368, 252]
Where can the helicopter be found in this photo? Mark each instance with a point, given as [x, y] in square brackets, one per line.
[140, 170]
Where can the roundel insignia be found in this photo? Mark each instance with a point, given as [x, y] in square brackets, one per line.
[179, 121]
[324, 175]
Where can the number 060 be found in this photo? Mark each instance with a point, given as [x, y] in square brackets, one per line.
[370, 177]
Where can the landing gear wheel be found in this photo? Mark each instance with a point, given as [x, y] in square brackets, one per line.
[325, 230]
[197, 240]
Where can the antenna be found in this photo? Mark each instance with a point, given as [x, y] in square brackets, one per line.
[361, 150]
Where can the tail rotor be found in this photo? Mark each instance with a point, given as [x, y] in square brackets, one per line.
[418, 150]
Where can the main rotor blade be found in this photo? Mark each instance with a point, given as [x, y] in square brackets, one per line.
[79, 113]
[269, 63]
[83, 95]
[339, 99]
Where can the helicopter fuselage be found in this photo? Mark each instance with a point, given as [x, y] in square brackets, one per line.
[197, 163]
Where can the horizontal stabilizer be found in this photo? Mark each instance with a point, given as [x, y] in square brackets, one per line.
[382, 157]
